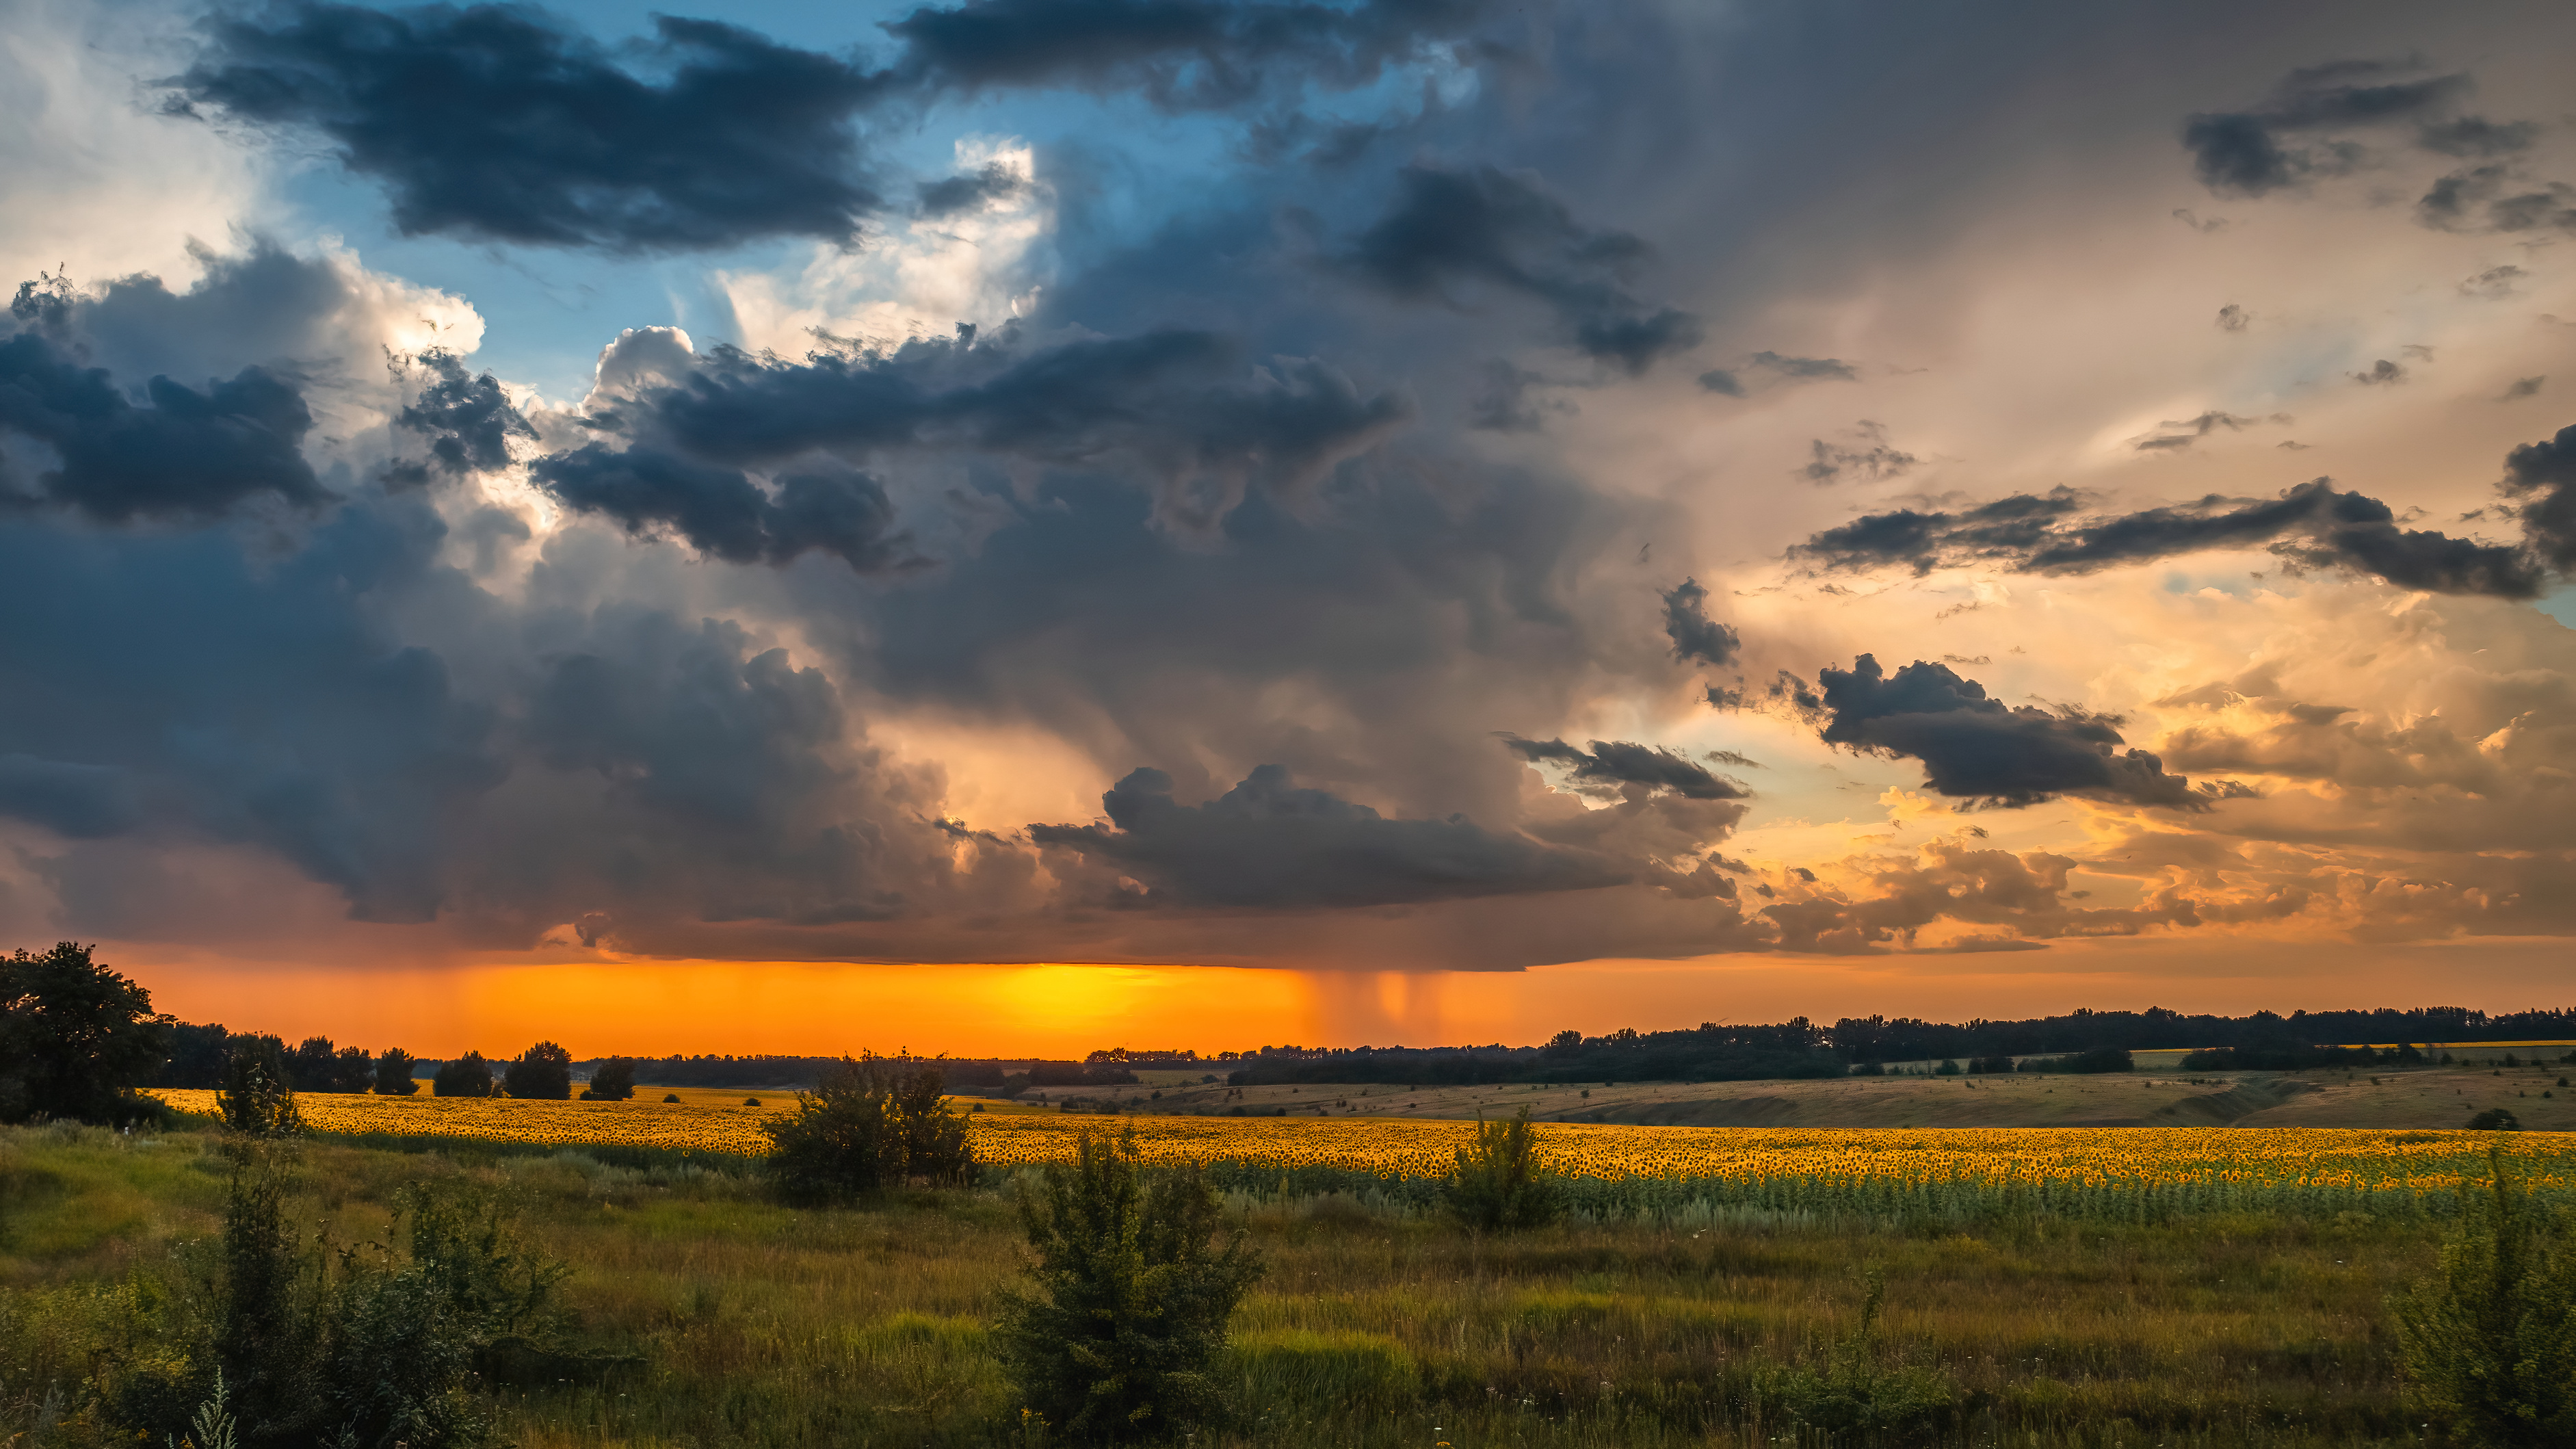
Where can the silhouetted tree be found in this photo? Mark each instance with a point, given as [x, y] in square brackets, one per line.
[868, 1124]
[613, 1082]
[393, 1074]
[196, 1057]
[465, 1076]
[76, 1039]
[1117, 1335]
[542, 1072]
[257, 1096]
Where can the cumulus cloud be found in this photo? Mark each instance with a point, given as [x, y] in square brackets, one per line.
[468, 419]
[1452, 232]
[724, 514]
[1978, 748]
[1267, 843]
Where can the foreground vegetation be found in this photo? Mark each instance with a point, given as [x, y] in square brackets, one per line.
[704, 1312]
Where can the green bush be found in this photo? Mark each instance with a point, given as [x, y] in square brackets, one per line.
[1853, 1394]
[869, 1124]
[1117, 1334]
[1498, 1186]
[255, 1098]
[2488, 1342]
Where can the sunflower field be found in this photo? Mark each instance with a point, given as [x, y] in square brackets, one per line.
[1943, 1174]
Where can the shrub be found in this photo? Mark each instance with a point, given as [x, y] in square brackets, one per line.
[1116, 1336]
[1853, 1394]
[255, 1097]
[2488, 1342]
[393, 1074]
[542, 1073]
[2495, 1119]
[613, 1082]
[76, 1039]
[1497, 1185]
[868, 1124]
[465, 1076]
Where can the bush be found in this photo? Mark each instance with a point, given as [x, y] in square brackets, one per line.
[1497, 1186]
[2488, 1342]
[868, 1124]
[255, 1097]
[76, 1039]
[2495, 1119]
[465, 1076]
[1117, 1334]
[1853, 1394]
[613, 1082]
[542, 1073]
[393, 1074]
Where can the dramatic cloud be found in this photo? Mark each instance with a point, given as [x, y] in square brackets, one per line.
[490, 123]
[2541, 479]
[1612, 764]
[2242, 153]
[1268, 844]
[1978, 748]
[2313, 524]
[468, 419]
[189, 453]
[724, 514]
[1452, 232]
[1181, 54]
[1179, 406]
[1697, 639]
[971, 192]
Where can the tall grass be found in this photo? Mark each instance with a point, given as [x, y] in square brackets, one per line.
[759, 1324]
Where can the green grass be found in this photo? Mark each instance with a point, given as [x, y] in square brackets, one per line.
[760, 1325]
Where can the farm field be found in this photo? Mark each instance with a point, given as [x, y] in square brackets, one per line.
[747, 1323]
[2429, 1099]
[1619, 1169]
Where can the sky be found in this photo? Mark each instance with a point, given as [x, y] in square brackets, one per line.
[1027, 525]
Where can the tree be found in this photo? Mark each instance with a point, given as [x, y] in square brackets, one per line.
[1119, 1329]
[465, 1076]
[76, 1039]
[869, 1123]
[1498, 1186]
[2488, 1342]
[543, 1072]
[393, 1074]
[257, 1095]
[613, 1082]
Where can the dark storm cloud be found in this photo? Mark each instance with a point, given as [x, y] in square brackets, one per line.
[490, 122]
[1973, 747]
[2313, 524]
[1696, 637]
[1182, 406]
[468, 418]
[78, 801]
[1268, 844]
[971, 191]
[1451, 232]
[493, 122]
[183, 453]
[1180, 54]
[1613, 763]
[2242, 153]
[723, 513]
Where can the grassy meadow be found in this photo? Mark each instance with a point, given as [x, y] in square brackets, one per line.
[717, 1317]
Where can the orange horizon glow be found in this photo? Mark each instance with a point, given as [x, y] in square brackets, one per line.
[662, 1008]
